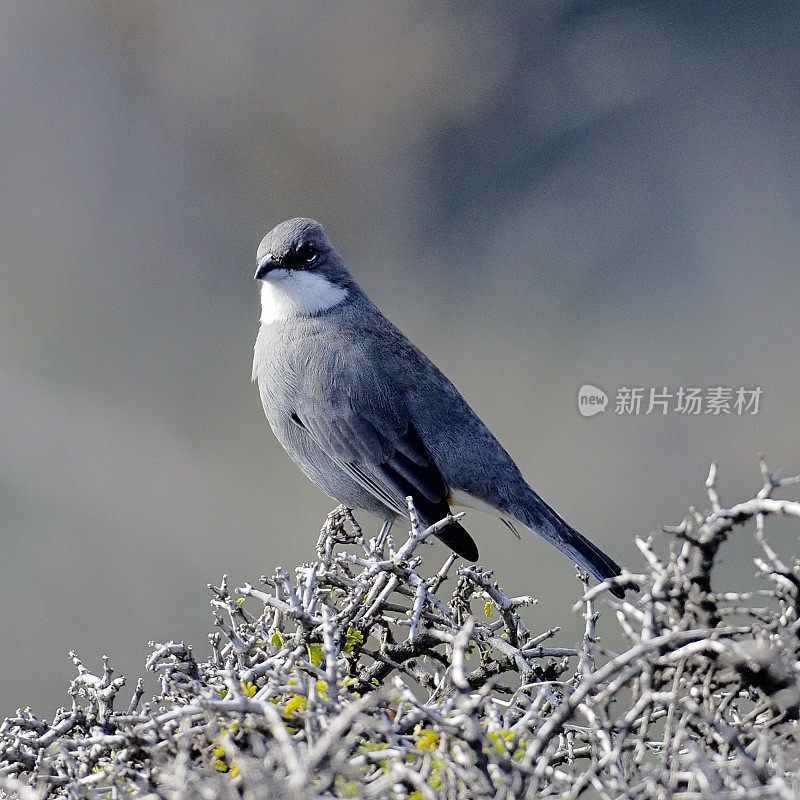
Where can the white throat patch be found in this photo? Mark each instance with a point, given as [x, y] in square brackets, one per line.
[296, 293]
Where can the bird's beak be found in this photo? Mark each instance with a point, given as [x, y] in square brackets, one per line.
[268, 264]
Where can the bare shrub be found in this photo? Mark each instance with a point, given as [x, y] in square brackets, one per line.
[358, 677]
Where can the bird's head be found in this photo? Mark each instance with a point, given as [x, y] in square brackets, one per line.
[301, 273]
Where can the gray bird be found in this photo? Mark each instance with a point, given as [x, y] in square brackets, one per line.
[368, 417]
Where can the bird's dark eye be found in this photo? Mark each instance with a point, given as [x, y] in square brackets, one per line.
[306, 253]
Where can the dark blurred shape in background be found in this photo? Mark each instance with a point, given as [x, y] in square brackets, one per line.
[541, 195]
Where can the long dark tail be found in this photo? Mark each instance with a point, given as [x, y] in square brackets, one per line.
[540, 518]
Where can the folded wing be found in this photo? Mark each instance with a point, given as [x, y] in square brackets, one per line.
[377, 445]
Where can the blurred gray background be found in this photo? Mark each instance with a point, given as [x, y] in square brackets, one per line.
[540, 194]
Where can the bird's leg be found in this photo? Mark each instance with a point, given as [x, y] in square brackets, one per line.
[385, 528]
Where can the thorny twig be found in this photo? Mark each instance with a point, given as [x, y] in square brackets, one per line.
[355, 677]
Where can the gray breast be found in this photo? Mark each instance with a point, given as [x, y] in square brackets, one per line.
[291, 358]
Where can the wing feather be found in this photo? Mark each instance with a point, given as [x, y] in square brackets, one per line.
[378, 447]
[372, 438]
